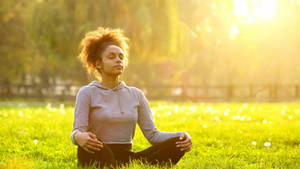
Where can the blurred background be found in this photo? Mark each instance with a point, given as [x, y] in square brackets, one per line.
[199, 50]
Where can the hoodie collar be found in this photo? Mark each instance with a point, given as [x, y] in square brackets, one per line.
[99, 85]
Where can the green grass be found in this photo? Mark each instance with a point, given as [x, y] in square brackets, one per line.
[223, 134]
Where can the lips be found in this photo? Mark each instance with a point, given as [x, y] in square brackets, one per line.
[119, 66]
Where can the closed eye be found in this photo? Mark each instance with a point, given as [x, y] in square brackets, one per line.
[113, 55]
[121, 56]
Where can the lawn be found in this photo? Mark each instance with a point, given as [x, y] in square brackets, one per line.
[225, 135]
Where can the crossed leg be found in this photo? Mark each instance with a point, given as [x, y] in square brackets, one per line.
[102, 158]
[164, 153]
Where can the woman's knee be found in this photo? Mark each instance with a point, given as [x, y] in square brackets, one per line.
[169, 148]
[171, 142]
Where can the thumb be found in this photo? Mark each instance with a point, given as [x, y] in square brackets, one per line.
[92, 135]
[182, 136]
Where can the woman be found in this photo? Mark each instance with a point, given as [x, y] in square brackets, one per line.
[107, 110]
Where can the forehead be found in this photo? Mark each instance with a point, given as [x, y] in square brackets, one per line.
[113, 49]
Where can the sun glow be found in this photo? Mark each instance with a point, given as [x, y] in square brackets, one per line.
[254, 10]
[234, 31]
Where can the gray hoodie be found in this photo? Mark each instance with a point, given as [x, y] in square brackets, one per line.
[112, 114]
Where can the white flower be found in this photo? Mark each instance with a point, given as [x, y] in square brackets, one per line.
[245, 105]
[217, 118]
[254, 143]
[236, 117]
[226, 113]
[265, 121]
[204, 125]
[267, 144]
[62, 111]
[290, 117]
[242, 118]
[21, 114]
[35, 141]
[249, 118]
[176, 108]
[193, 108]
[169, 113]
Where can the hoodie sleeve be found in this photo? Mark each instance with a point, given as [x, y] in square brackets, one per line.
[81, 113]
[147, 125]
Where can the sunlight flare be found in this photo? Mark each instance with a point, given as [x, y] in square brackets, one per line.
[251, 11]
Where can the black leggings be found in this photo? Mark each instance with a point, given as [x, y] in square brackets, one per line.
[164, 153]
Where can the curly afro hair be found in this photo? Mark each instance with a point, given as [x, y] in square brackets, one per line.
[95, 42]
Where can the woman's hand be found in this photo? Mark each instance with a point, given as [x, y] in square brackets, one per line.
[185, 143]
[88, 141]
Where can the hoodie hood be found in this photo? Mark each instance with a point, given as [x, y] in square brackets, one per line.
[99, 85]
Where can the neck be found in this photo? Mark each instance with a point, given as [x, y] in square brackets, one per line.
[110, 81]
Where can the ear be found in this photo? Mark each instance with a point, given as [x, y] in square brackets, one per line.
[98, 65]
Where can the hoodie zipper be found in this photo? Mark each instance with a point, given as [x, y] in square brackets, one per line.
[120, 108]
[116, 90]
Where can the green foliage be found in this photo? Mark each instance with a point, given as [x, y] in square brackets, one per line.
[179, 41]
[51, 32]
[237, 135]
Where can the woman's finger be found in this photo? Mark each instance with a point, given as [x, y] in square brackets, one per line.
[92, 148]
[186, 149]
[182, 136]
[95, 144]
[184, 144]
[183, 141]
[94, 137]
[89, 135]
[94, 141]
[86, 149]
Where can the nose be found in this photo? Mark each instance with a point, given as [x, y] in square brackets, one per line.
[119, 60]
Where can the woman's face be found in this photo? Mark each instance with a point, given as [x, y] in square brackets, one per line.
[112, 61]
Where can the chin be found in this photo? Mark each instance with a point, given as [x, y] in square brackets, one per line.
[118, 73]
